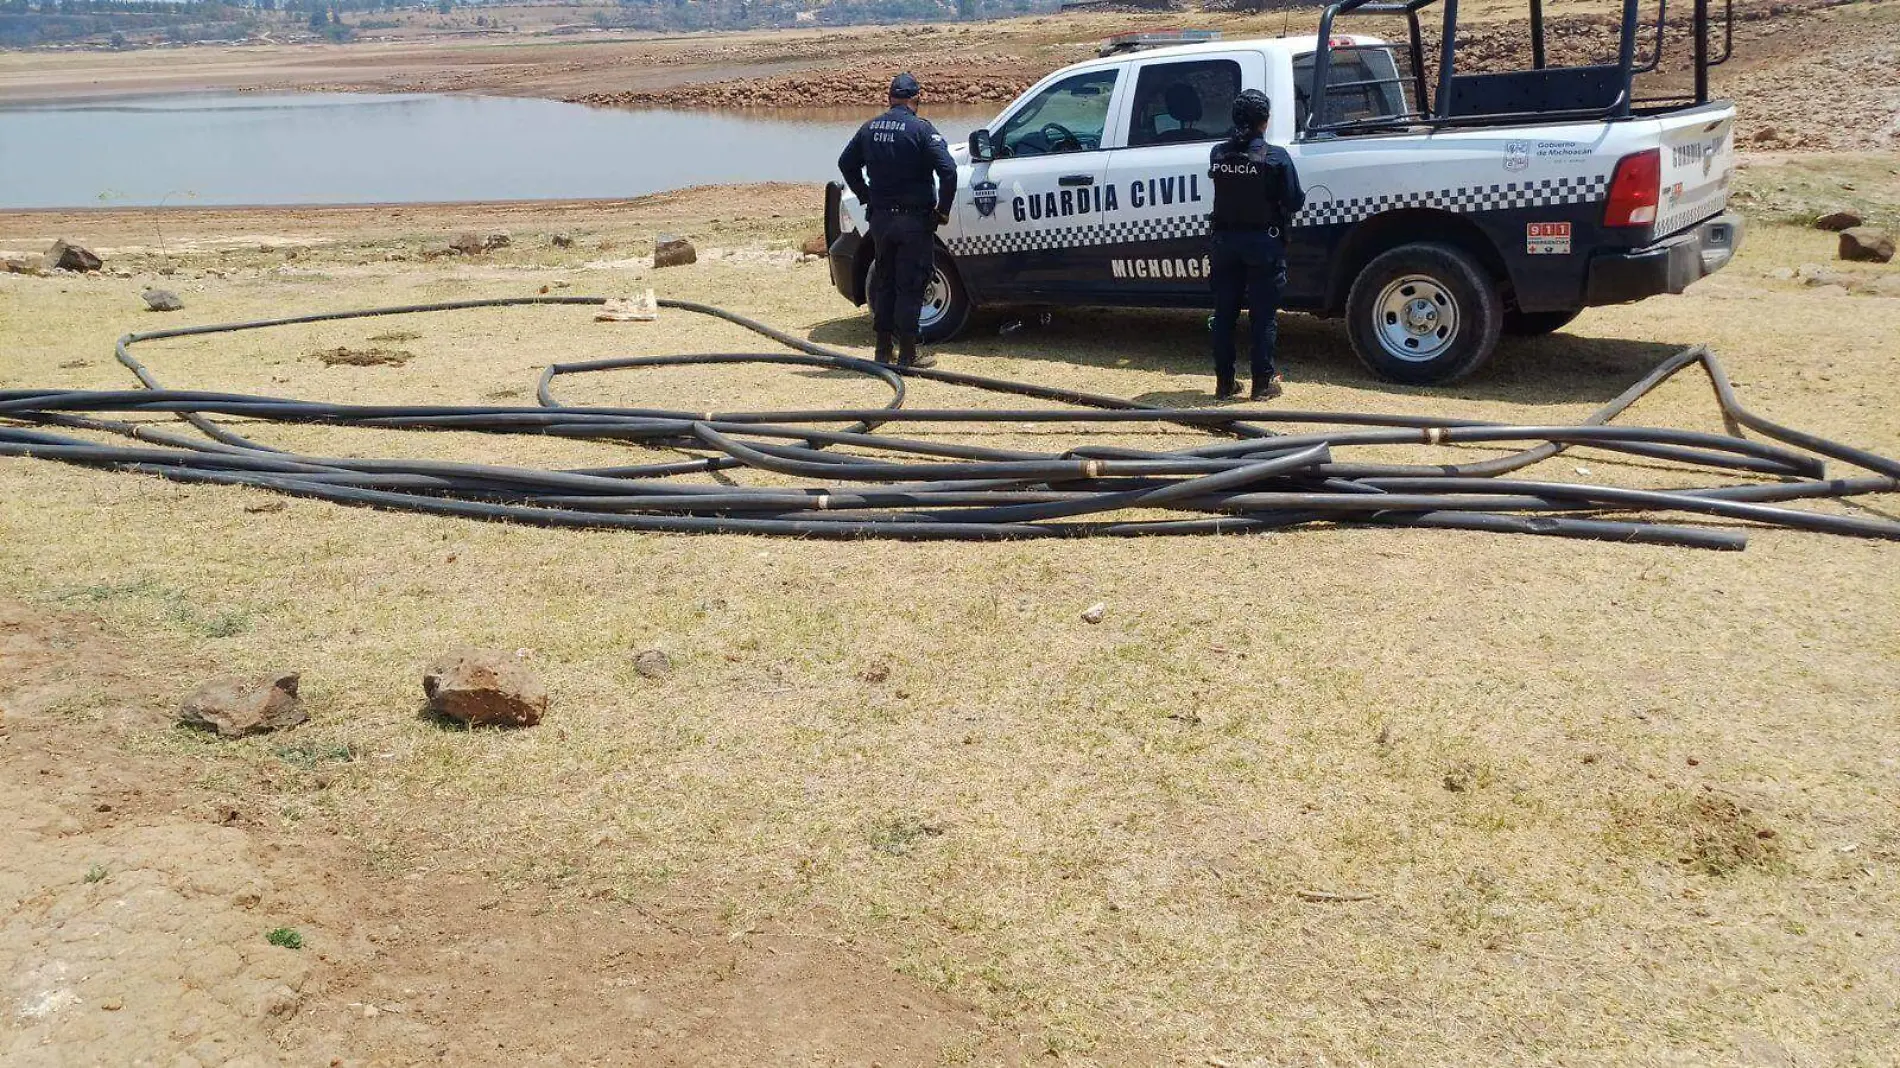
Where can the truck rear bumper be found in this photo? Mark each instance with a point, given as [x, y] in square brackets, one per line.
[1665, 267]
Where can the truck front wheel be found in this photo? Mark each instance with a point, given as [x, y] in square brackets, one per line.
[947, 304]
[1424, 314]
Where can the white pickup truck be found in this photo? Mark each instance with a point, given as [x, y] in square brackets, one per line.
[1505, 206]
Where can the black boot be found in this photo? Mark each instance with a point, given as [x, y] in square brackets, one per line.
[908, 356]
[886, 351]
[1226, 389]
[1268, 388]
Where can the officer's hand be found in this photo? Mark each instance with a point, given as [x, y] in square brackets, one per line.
[943, 218]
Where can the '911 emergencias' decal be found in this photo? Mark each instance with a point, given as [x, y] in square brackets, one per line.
[1547, 239]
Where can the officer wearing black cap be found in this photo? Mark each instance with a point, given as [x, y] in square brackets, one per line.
[1256, 192]
[902, 154]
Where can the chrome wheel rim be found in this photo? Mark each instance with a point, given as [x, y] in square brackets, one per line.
[936, 301]
[936, 298]
[1416, 319]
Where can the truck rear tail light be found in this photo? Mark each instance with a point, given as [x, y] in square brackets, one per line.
[1635, 189]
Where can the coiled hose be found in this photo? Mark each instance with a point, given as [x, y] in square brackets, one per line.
[897, 487]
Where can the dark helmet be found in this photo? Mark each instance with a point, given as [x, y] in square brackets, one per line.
[1251, 108]
[903, 87]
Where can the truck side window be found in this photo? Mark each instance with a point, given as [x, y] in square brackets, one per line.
[1362, 82]
[1069, 116]
[1181, 102]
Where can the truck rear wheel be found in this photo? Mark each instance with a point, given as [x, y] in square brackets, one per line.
[1424, 314]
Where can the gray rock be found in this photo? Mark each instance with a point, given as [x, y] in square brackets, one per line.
[1838, 221]
[236, 706]
[14, 266]
[1782, 274]
[671, 250]
[469, 244]
[1885, 285]
[561, 240]
[1866, 244]
[162, 300]
[66, 256]
[495, 239]
[485, 688]
[652, 664]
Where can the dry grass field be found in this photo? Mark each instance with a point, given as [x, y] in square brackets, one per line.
[1316, 797]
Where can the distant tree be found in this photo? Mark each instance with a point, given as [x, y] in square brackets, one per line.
[317, 21]
[443, 7]
[966, 9]
[118, 42]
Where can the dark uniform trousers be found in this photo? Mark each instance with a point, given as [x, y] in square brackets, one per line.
[1249, 269]
[905, 240]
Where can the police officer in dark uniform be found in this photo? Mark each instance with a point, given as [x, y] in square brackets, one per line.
[902, 153]
[1256, 192]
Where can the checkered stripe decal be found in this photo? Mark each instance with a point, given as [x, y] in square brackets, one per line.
[1500, 196]
[1688, 212]
[1124, 232]
[1464, 199]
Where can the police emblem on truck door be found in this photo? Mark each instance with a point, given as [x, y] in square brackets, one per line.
[985, 199]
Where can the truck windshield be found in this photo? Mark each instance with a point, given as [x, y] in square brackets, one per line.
[1068, 116]
[1362, 82]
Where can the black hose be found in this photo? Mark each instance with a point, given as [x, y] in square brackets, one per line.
[857, 482]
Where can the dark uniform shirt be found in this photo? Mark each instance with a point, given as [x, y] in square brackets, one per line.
[1255, 186]
[902, 152]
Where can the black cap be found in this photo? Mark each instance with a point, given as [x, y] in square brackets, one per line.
[903, 87]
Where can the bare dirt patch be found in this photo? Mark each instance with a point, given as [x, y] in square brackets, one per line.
[145, 917]
[377, 356]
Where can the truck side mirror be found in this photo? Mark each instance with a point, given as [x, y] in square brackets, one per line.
[981, 148]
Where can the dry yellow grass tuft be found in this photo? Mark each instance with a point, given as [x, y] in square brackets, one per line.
[1342, 796]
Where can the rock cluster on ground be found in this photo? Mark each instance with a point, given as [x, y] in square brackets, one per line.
[472, 243]
[484, 688]
[967, 78]
[1866, 244]
[235, 706]
[1824, 280]
[671, 250]
[1837, 221]
[162, 300]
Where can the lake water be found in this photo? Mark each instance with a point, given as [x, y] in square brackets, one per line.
[354, 148]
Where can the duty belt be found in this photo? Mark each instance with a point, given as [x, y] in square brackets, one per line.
[904, 209]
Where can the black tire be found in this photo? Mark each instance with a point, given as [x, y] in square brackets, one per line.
[938, 323]
[1424, 314]
[1536, 324]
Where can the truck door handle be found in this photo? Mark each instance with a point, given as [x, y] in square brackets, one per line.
[1077, 179]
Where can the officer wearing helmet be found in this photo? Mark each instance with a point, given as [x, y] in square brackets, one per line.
[1256, 192]
[902, 154]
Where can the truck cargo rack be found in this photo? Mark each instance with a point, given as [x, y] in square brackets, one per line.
[1541, 94]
